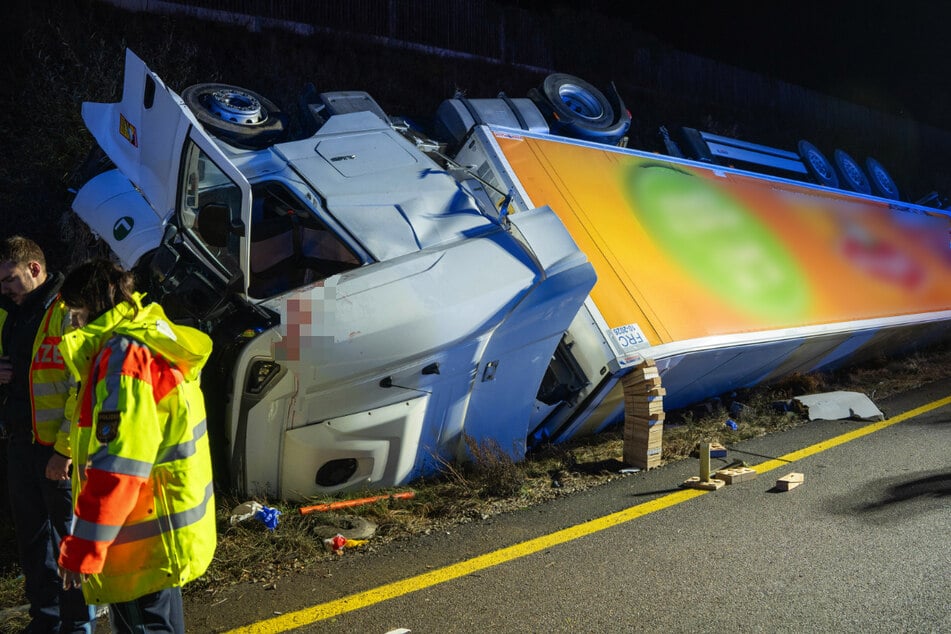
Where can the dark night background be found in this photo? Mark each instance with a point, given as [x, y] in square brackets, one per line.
[891, 56]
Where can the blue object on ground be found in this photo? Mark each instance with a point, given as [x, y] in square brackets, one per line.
[268, 515]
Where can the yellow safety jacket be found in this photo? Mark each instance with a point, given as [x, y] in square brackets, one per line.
[50, 381]
[142, 479]
[51, 387]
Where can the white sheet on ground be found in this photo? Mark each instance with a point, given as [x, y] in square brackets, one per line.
[839, 405]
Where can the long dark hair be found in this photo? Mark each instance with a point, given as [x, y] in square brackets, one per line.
[98, 285]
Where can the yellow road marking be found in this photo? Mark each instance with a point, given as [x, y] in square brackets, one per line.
[396, 589]
[805, 452]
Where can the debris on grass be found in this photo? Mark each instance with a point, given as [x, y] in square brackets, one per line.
[337, 543]
[839, 405]
[247, 510]
[346, 504]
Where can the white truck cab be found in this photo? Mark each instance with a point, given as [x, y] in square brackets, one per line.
[369, 309]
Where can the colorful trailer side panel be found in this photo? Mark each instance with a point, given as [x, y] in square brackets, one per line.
[686, 252]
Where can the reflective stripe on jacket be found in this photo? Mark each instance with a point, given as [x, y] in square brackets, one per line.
[145, 513]
[50, 382]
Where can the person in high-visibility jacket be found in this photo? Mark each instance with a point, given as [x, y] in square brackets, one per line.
[142, 480]
[34, 390]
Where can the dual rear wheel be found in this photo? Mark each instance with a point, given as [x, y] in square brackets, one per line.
[846, 172]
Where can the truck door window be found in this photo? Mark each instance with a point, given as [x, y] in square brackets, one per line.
[210, 209]
[290, 246]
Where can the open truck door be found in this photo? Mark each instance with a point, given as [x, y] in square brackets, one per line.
[173, 173]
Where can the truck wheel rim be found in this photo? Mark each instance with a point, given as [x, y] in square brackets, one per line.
[236, 106]
[820, 165]
[580, 101]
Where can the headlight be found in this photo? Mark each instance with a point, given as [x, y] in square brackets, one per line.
[261, 373]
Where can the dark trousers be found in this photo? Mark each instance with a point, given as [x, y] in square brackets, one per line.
[42, 512]
[157, 612]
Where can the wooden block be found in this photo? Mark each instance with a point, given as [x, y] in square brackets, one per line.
[641, 446]
[643, 411]
[644, 433]
[710, 485]
[789, 481]
[643, 440]
[647, 421]
[655, 404]
[649, 401]
[648, 373]
[643, 422]
[642, 372]
[716, 449]
[642, 425]
[644, 408]
[736, 474]
[642, 460]
[636, 423]
[638, 383]
[636, 394]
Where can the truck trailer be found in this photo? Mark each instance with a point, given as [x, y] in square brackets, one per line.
[380, 295]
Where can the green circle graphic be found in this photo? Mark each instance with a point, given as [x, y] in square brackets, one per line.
[122, 227]
[719, 242]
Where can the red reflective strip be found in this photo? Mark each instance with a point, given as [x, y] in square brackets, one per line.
[89, 389]
[82, 555]
[140, 363]
[49, 313]
[108, 498]
[34, 365]
[103, 366]
[85, 407]
[166, 378]
[137, 362]
[47, 355]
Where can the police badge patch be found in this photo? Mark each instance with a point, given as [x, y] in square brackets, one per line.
[107, 426]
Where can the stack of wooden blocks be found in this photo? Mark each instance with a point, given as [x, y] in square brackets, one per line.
[643, 416]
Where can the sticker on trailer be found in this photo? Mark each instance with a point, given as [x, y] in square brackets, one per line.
[628, 340]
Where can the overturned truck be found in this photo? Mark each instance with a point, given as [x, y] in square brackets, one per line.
[377, 293]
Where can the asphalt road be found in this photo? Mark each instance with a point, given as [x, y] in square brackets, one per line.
[860, 546]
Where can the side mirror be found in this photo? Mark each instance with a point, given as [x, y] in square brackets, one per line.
[163, 263]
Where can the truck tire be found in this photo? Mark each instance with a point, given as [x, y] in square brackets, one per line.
[236, 115]
[574, 99]
[850, 173]
[818, 166]
[576, 109]
[881, 180]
